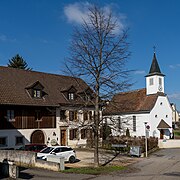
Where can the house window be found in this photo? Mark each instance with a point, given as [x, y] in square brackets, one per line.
[166, 116]
[119, 123]
[73, 134]
[38, 116]
[3, 141]
[156, 116]
[134, 123]
[90, 116]
[85, 115]
[83, 133]
[71, 96]
[151, 81]
[37, 93]
[72, 115]
[62, 114]
[19, 140]
[10, 115]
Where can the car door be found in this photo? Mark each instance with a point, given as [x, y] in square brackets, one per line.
[57, 152]
[66, 152]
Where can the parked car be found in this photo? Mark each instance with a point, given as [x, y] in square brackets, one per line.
[62, 151]
[33, 147]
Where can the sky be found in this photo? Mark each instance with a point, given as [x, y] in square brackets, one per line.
[41, 30]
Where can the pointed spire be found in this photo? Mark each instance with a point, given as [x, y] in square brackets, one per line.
[155, 70]
[154, 66]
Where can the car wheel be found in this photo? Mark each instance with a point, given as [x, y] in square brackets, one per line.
[72, 159]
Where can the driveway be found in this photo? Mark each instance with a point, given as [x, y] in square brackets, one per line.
[163, 164]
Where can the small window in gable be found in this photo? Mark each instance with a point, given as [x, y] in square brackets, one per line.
[36, 90]
[37, 93]
[71, 96]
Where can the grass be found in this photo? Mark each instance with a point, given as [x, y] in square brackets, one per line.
[177, 133]
[94, 170]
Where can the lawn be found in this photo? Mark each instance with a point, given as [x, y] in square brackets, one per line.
[94, 170]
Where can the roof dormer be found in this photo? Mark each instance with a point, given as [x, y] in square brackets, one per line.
[70, 93]
[36, 90]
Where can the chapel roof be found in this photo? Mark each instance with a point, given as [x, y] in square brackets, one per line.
[131, 102]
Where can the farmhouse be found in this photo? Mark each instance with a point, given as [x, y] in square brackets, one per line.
[44, 108]
[142, 112]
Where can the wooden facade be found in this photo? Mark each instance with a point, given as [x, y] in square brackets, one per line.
[27, 117]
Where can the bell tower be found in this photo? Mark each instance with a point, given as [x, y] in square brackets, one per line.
[155, 79]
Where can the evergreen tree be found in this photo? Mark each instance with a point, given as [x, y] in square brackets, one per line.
[18, 62]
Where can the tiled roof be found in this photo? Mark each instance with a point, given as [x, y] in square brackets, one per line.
[131, 102]
[14, 83]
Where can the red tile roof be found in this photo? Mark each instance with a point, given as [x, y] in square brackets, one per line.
[131, 102]
[14, 83]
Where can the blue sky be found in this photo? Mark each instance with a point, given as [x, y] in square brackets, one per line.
[40, 31]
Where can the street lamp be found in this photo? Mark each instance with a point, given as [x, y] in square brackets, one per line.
[145, 123]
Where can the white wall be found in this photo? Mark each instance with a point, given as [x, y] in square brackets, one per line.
[163, 111]
[13, 133]
[127, 122]
[153, 89]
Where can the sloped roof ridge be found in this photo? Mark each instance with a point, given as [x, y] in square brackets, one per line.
[38, 72]
[132, 91]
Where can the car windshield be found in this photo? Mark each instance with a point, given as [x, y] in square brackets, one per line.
[47, 150]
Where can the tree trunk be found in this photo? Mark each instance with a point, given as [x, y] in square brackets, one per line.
[96, 129]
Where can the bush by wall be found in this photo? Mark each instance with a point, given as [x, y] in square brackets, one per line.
[129, 141]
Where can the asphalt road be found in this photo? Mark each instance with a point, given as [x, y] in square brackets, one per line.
[164, 164]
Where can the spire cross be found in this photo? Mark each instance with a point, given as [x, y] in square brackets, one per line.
[154, 47]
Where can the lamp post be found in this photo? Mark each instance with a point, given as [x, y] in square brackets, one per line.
[145, 123]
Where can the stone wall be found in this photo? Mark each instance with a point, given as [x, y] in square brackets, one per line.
[169, 143]
[26, 159]
[21, 158]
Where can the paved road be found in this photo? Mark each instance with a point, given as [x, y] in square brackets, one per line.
[164, 164]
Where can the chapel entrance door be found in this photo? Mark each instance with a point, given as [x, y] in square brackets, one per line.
[161, 133]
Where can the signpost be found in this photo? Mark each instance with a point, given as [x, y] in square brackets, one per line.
[147, 128]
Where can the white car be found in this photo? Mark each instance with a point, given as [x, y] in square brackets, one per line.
[62, 151]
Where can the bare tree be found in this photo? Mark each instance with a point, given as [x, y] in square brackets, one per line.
[98, 54]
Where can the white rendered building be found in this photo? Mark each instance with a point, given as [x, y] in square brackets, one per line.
[144, 109]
